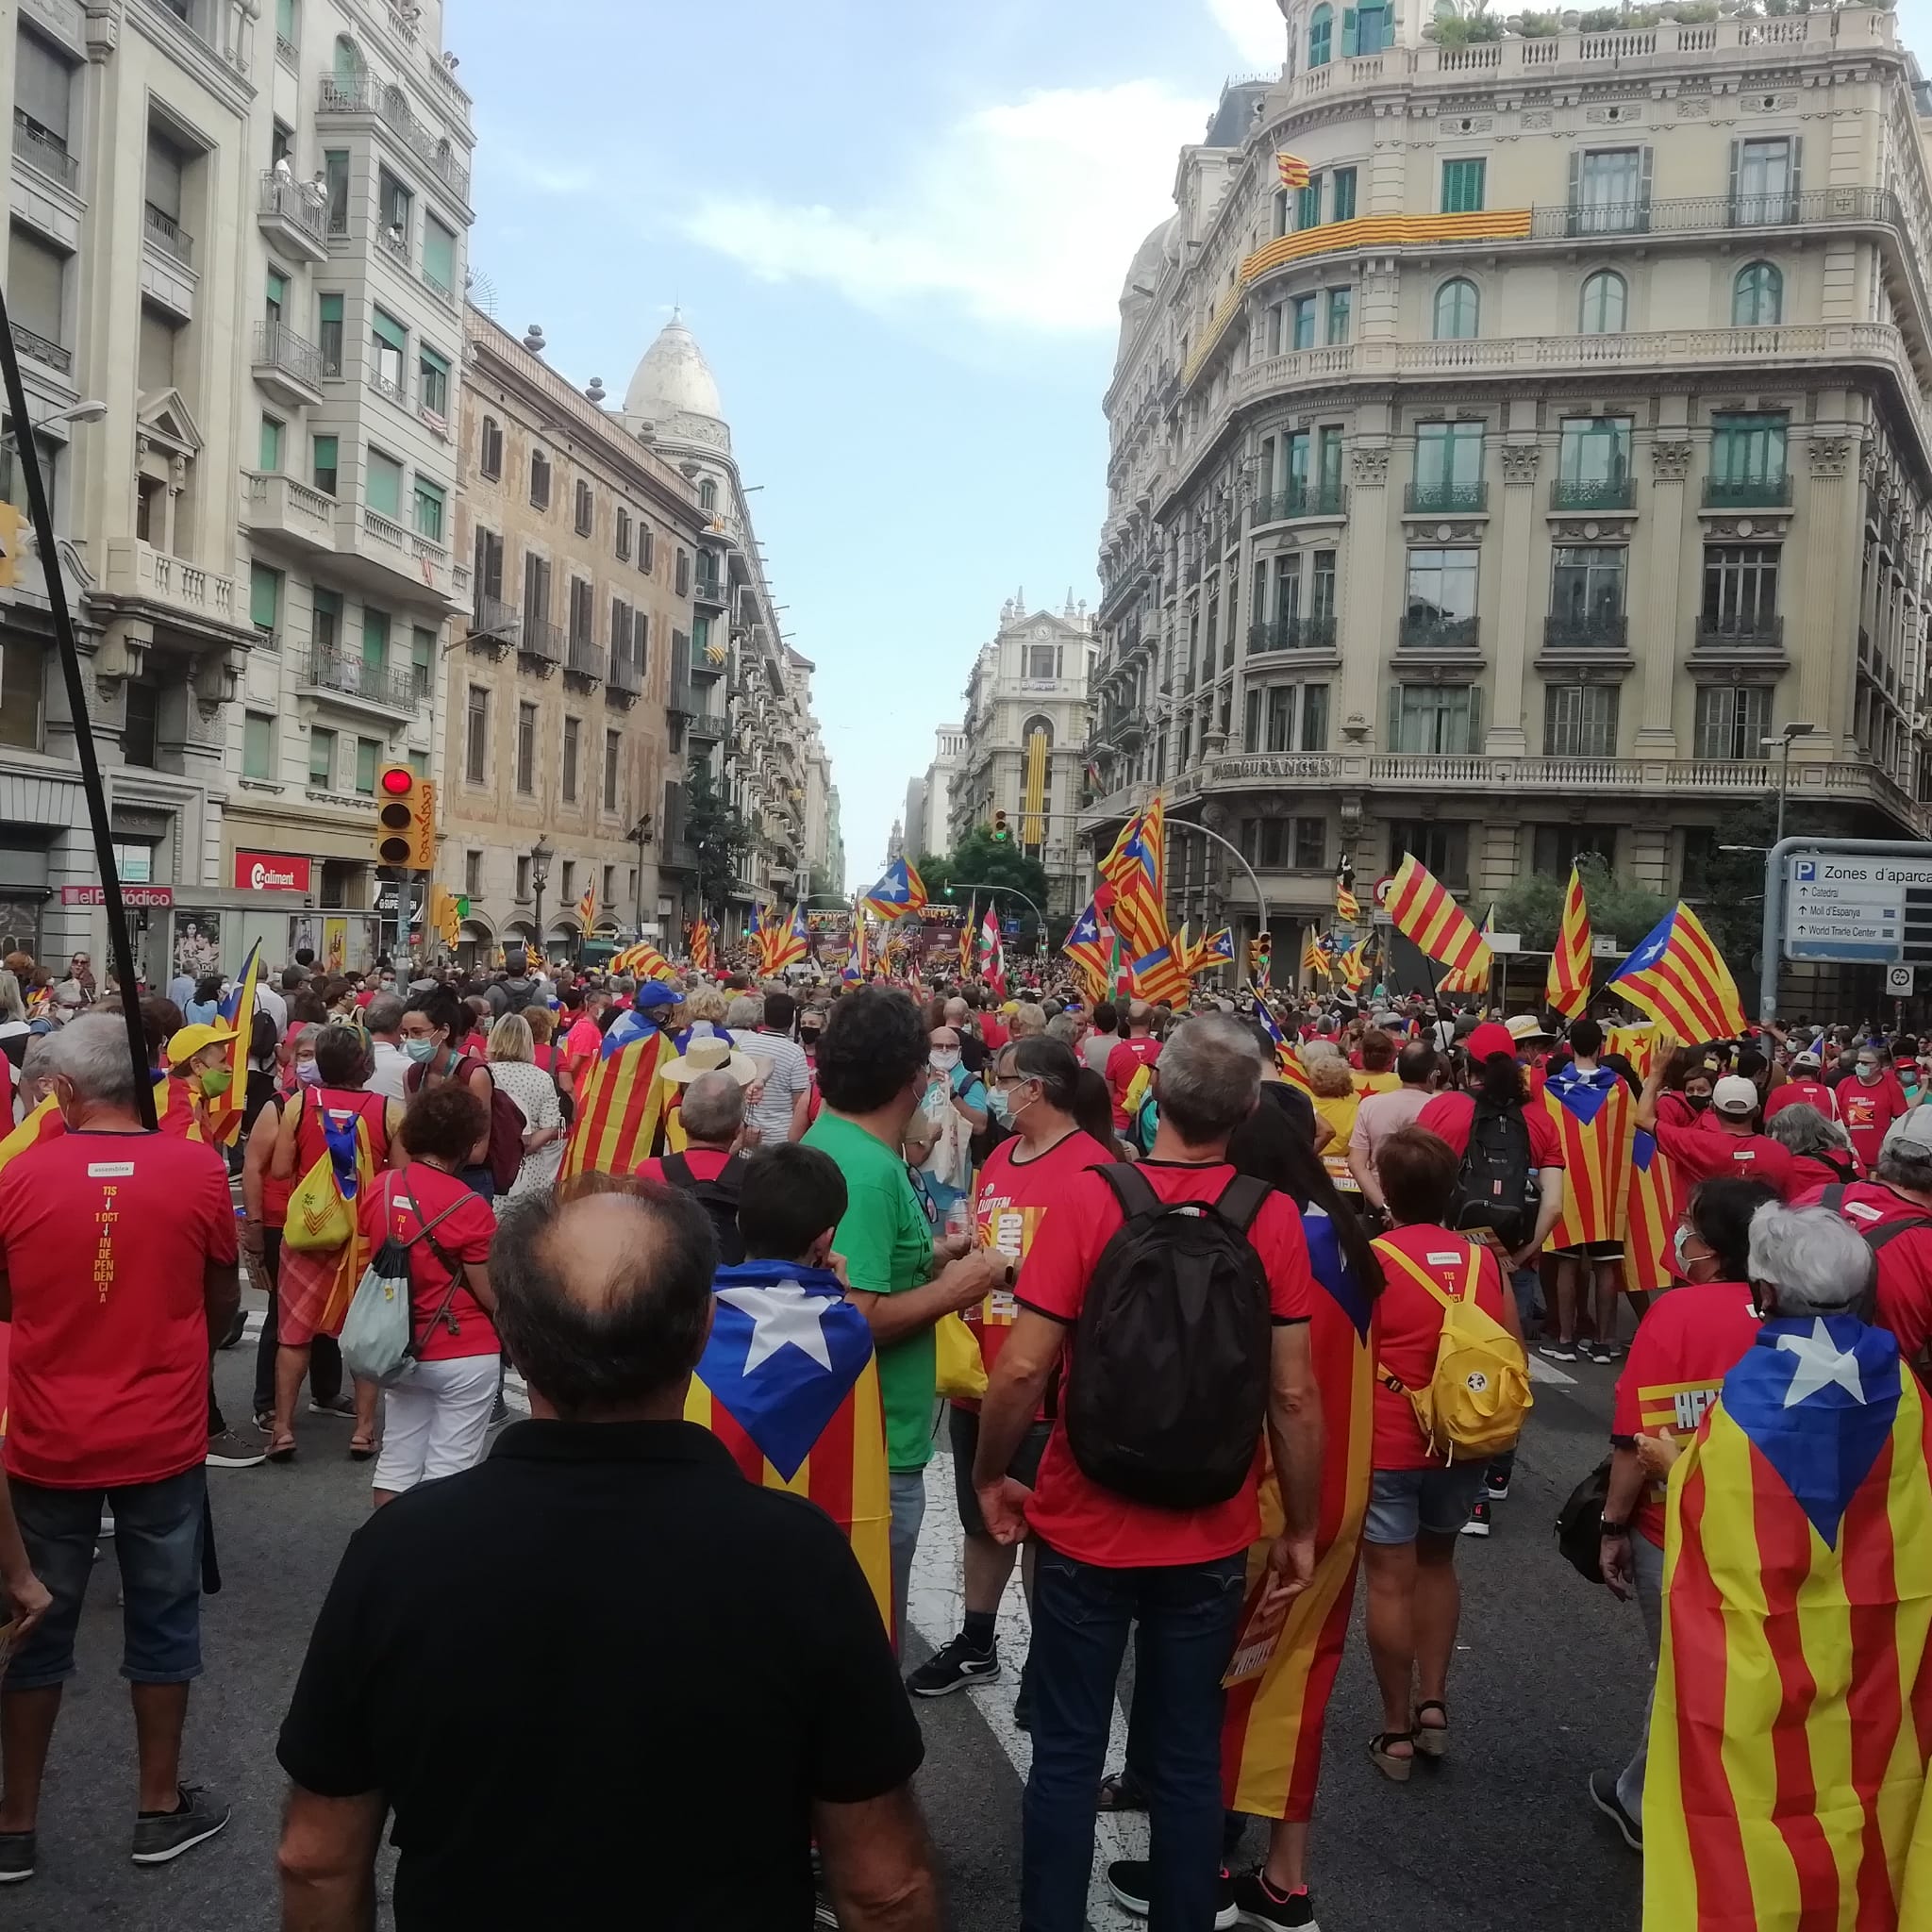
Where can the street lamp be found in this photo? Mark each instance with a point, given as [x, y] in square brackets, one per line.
[1783, 776]
[984, 886]
[542, 853]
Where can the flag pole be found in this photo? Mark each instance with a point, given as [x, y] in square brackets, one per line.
[38, 507]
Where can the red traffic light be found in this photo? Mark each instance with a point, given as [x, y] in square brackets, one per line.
[397, 780]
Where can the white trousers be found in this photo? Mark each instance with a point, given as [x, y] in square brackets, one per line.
[435, 1420]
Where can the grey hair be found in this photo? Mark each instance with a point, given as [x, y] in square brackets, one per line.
[1903, 1163]
[91, 1052]
[712, 1108]
[1064, 1027]
[1817, 1262]
[10, 1007]
[1801, 1128]
[1028, 1021]
[383, 1014]
[1208, 1077]
[747, 1010]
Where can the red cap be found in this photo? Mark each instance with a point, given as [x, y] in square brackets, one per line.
[1488, 1040]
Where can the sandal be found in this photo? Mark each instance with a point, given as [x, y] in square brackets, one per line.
[1432, 1740]
[361, 1449]
[1393, 1768]
[1121, 1790]
[282, 1449]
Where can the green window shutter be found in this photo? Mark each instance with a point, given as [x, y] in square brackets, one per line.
[1343, 209]
[277, 288]
[264, 596]
[384, 485]
[1736, 150]
[439, 255]
[367, 751]
[1644, 156]
[386, 328]
[1395, 718]
[257, 745]
[433, 360]
[271, 454]
[374, 637]
[1348, 33]
[329, 309]
[1476, 718]
[422, 648]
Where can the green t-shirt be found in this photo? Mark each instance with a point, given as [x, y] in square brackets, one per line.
[887, 1244]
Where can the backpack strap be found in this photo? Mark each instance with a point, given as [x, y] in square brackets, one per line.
[1833, 1197]
[1131, 1188]
[677, 1171]
[1890, 1230]
[1241, 1200]
[1421, 1276]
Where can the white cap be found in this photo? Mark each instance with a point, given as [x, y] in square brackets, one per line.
[1734, 1095]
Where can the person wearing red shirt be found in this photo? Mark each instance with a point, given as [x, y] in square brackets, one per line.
[118, 1272]
[1725, 1141]
[1804, 1088]
[1685, 1346]
[1418, 1504]
[1108, 1561]
[583, 1039]
[1869, 1102]
[435, 1419]
[1032, 1092]
[1139, 1049]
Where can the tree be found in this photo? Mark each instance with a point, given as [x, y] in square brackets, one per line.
[1726, 888]
[1534, 907]
[719, 838]
[979, 861]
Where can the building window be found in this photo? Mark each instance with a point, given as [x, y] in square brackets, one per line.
[257, 745]
[1593, 463]
[620, 632]
[623, 536]
[1448, 467]
[527, 749]
[1462, 187]
[1308, 204]
[1607, 190]
[1444, 848]
[322, 757]
[1342, 208]
[1764, 181]
[1280, 726]
[393, 203]
[582, 610]
[368, 755]
[383, 486]
[432, 383]
[473, 875]
[476, 733]
[1747, 461]
[490, 449]
[321, 463]
[1314, 731]
[326, 622]
[1322, 587]
[1758, 296]
[1042, 660]
[586, 519]
[1555, 848]
[707, 496]
[269, 456]
[522, 878]
[1580, 720]
[536, 588]
[568, 884]
[389, 349]
[429, 509]
[1740, 590]
[1310, 844]
[265, 600]
[681, 578]
[1732, 720]
[613, 751]
[573, 735]
[1457, 309]
[1302, 317]
[335, 174]
[1321, 35]
[1265, 842]
[1340, 302]
[488, 566]
[1436, 718]
[42, 108]
[422, 661]
[1280, 206]
[647, 546]
[328, 310]
[540, 481]
[1605, 304]
[375, 637]
[640, 638]
[37, 296]
[439, 256]
[1587, 584]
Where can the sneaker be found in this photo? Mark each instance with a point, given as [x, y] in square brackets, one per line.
[160, 1835]
[1606, 1352]
[1557, 1351]
[16, 1857]
[952, 1669]
[1257, 1903]
[228, 1451]
[1479, 1523]
[1127, 1878]
[1497, 1489]
[343, 1406]
[1603, 1794]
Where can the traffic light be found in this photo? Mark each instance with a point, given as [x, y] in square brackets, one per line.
[1260, 958]
[1001, 835]
[405, 819]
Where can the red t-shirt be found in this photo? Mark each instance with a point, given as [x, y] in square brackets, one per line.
[1012, 1200]
[1905, 1262]
[1807, 1093]
[398, 1204]
[106, 1238]
[1685, 1346]
[705, 1163]
[1077, 1516]
[1867, 1111]
[1698, 1152]
[581, 1045]
[1409, 1325]
[1123, 1063]
[1449, 1115]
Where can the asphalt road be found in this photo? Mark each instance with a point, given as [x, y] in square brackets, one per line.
[1550, 1682]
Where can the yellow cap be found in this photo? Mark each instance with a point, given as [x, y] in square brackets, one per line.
[186, 1042]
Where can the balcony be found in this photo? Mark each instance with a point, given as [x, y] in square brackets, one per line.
[583, 658]
[45, 152]
[682, 700]
[1581, 493]
[1594, 631]
[383, 386]
[1301, 500]
[390, 105]
[287, 53]
[376, 553]
[1747, 492]
[626, 684]
[279, 511]
[141, 573]
[712, 591]
[495, 626]
[164, 232]
[540, 648]
[1756, 634]
[375, 684]
[287, 365]
[1445, 499]
[49, 355]
[293, 215]
[709, 727]
[1427, 631]
[1291, 634]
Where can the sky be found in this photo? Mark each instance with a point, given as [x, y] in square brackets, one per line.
[899, 231]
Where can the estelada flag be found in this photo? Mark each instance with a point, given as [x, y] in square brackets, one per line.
[1347, 907]
[1651, 1216]
[43, 1124]
[1678, 978]
[1286, 1060]
[900, 892]
[1424, 910]
[222, 1115]
[789, 1384]
[1566, 988]
[1595, 1118]
[644, 961]
[1136, 868]
[1789, 1734]
[1158, 976]
[1271, 1735]
[1088, 942]
[621, 1102]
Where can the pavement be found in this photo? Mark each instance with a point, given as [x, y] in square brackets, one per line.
[1550, 1682]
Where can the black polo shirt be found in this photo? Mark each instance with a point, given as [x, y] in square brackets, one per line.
[600, 1679]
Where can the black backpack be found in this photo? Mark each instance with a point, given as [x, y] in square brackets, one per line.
[1496, 1188]
[717, 1197]
[1167, 1393]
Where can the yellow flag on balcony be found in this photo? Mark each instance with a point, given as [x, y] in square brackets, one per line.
[1295, 171]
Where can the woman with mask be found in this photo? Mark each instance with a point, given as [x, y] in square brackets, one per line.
[1685, 1344]
[433, 1021]
[938, 1141]
[1869, 1101]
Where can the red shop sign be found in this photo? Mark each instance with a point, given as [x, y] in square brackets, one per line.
[270, 872]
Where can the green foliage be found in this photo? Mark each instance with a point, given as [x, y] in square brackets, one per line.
[1534, 907]
[718, 839]
[979, 858]
[1455, 32]
[1538, 26]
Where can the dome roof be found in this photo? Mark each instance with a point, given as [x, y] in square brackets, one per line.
[673, 379]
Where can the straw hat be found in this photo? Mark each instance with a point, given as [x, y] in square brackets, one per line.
[710, 1053]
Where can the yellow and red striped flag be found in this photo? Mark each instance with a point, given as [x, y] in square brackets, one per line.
[1425, 912]
[1678, 978]
[701, 944]
[1295, 171]
[1789, 1734]
[644, 962]
[587, 910]
[1654, 1204]
[1136, 870]
[1287, 1061]
[620, 1103]
[969, 937]
[1566, 990]
[1348, 907]
[1476, 978]
[1158, 975]
[43, 1124]
[1313, 958]
[1595, 1117]
[1352, 966]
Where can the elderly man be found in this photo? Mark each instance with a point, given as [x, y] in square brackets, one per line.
[118, 1271]
[712, 1167]
[382, 1020]
[1028, 1021]
[1793, 1612]
[642, 1660]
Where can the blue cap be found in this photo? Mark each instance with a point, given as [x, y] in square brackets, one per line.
[654, 992]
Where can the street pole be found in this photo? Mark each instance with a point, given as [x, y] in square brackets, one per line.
[1261, 901]
[984, 886]
[1784, 785]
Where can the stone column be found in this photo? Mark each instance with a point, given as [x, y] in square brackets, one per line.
[1362, 634]
[1659, 623]
[1821, 566]
[1506, 738]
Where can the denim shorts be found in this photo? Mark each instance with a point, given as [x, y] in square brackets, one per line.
[1404, 1501]
[156, 1543]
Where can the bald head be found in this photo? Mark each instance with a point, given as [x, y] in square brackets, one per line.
[957, 1010]
[605, 1299]
[712, 1110]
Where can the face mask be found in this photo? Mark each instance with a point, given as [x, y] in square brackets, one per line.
[1698, 1102]
[1868, 1071]
[308, 1072]
[946, 1058]
[216, 1081]
[809, 1038]
[420, 1049]
[1679, 1243]
[1000, 1104]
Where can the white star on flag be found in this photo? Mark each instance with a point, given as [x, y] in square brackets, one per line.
[781, 1314]
[1819, 1362]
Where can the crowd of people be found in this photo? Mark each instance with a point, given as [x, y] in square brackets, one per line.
[1215, 1313]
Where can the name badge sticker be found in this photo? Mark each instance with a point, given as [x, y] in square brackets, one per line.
[109, 1170]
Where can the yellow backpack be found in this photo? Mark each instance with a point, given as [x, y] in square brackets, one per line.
[1478, 1393]
[319, 1218]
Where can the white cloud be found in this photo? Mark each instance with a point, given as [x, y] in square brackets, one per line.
[1256, 29]
[1025, 214]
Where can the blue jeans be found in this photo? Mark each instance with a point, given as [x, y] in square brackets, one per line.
[1081, 1617]
[907, 1489]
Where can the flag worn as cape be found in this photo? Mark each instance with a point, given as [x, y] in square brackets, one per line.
[621, 1102]
[1595, 1118]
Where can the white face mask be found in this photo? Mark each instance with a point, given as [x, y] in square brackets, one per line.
[944, 1057]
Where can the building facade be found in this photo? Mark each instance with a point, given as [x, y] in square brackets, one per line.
[928, 823]
[1505, 491]
[559, 763]
[1025, 738]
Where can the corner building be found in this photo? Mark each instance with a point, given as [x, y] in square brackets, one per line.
[1497, 494]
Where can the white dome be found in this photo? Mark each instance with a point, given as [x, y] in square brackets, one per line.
[674, 379]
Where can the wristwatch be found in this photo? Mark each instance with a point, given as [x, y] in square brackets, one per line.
[1610, 1528]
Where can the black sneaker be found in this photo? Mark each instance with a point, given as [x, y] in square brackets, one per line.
[1557, 1351]
[228, 1451]
[1127, 1878]
[1479, 1523]
[16, 1857]
[1603, 1794]
[952, 1669]
[160, 1835]
[1496, 1488]
[1256, 1905]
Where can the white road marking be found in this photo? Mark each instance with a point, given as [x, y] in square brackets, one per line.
[1540, 1371]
